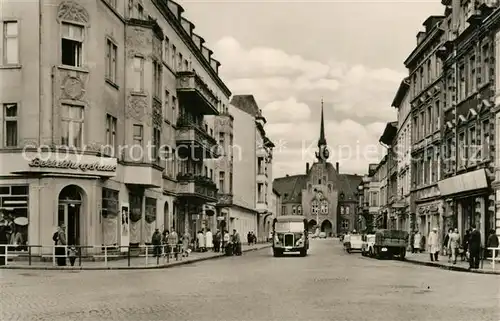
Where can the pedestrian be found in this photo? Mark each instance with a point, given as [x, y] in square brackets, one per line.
[164, 242]
[72, 254]
[454, 245]
[433, 245]
[186, 240]
[217, 239]
[156, 242]
[465, 246]
[249, 238]
[236, 242]
[492, 243]
[474, 248]
[227, 239]
[446, 245]
[201, 241]
[173, 241]
[209, 240]
[416, 242]
[60, 243]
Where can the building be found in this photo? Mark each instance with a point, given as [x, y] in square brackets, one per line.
[403, 152]
[276, 208]
[468, 56]
[117, 95]
[396, 218]
[327, 198]
[426, 103]
[251, 208]
[368, 200]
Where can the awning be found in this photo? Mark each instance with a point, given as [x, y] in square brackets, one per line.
[463, 183]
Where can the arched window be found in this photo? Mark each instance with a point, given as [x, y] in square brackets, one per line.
[324, 207]
[294, 210]
[299, 210]
[342, 210]
[315, 207]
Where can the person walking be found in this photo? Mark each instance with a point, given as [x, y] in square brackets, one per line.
[156, 242]
[433, 245]
[416, 242]
[201, 241]
[60, 241]
[446, 245]
[217, 240]
[237, 242]
[454, 245]
[474, 248]
[209, 240]
[186, 240]
[173, 241]
[492, 243]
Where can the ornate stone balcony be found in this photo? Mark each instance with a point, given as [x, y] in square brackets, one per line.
[193, 186]
[192, 139]
[225, 199]
[195, 94]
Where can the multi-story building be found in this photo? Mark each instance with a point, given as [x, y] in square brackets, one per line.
[251, 208]
[327, 198]
[426, 103]
[496, 131]
[403, 153]
[390, 183]
[367, 211]
[276, 208]
[116, 93]
[468, 133]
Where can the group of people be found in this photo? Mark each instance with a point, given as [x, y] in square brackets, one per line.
[63, 251]
[208, 241]
[455, 246]
[251, 238]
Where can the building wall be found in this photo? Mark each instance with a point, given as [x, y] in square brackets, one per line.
[243, 221]
[403, 139]
[244, 163]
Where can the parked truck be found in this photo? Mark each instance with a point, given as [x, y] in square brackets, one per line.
[390, 243]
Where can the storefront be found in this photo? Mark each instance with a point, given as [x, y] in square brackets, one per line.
[429, 217]
[87, 194]
[469, 201]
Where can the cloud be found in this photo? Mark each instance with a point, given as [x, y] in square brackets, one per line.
[287, 85]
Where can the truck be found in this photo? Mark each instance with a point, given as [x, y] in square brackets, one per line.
[390, 243]
[290, 235]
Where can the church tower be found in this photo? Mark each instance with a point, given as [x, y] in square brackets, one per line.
[323, 153]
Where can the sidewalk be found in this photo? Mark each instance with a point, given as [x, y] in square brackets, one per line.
[463, 266]
[136, 263]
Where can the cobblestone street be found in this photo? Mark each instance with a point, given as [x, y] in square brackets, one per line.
[326, 285]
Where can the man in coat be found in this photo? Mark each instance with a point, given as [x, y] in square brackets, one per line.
[474, 248]
[433, 245]
[209, 240]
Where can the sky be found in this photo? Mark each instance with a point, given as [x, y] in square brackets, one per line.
[292, 54]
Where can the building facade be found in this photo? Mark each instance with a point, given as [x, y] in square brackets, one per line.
[425, 74]
[403, 154]
[104, 123]
[327, 198]
[468, 57]
[396, 218]
[253, 153]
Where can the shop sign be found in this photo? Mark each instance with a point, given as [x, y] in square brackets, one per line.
[68, 164]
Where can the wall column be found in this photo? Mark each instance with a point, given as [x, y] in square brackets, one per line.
[496, 142]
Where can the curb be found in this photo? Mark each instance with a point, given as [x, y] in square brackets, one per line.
[105, 268]
[451, 268]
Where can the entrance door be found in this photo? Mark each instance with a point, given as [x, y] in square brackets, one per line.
[69, 215]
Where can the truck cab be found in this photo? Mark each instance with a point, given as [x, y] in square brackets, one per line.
[290, 235]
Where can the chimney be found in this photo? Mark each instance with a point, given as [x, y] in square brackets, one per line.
[307, 168]
[337, 167]
[420, 37]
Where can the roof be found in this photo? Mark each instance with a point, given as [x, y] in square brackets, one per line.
[401, 93]
[247, 104]
[290, 187]
[290, 218]
[390, 132]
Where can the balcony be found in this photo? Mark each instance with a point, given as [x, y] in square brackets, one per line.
[192, 139]
[195, 94]
[225, 199]
[196, 187]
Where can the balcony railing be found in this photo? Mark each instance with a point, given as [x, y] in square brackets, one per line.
[194, 93]
[191, 185]
[195, 137]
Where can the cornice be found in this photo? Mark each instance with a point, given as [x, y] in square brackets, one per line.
[175, 23]
[437, 31]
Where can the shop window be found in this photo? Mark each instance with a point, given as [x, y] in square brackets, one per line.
[109, 213]
[150, 218]
[14, 199]
[135, 203]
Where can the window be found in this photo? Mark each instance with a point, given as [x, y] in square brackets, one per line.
[109, 212]
[294, 210]
[461, 92]
[461, 150]
[111, 133]
[156, 79]
[179, 62]
[231, 183]
[345, 225]
[347, 210]
[485, 153]
[299, 210]
[486, 63]
[283, 210]
[174, 106]
[16, 198]
[138, 12]
[260, 165]
[415, 129]
[342, 210]
[174, 55]
[72, 125]
[430, 121]
[186, 65]
[222, 139]
[324, 207]
[422, 126]
[222, 181]
[111, 63]
[10, 125]
[315, 207]
[166, 50]
[472, 74]
[10, 43]
[72, 45]
[138, 77]
[471, 148]
[150, 215]
[138, 137]
[156, 144]
[212, 174]
[437, 115]
[167, 111]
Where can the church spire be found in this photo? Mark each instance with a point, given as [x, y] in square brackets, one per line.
[322, 154]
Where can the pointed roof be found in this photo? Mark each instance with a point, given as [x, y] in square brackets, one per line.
[322, 138]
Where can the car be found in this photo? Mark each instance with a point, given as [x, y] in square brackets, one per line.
[322, 235]
[367, 246]
[352, 243]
